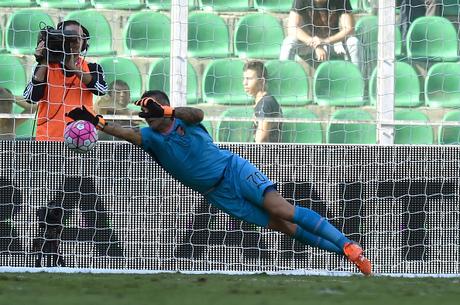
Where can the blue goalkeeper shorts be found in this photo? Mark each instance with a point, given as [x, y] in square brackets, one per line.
[241, 192]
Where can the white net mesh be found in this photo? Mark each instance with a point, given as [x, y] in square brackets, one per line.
[331, 89]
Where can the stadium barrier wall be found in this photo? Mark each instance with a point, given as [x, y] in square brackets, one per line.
[123, 212]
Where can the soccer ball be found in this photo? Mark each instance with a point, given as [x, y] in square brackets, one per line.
[80, 136]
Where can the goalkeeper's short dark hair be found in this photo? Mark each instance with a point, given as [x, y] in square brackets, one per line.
[158, 95]
[257, 66]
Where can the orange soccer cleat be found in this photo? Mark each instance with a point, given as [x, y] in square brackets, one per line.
[354, 253]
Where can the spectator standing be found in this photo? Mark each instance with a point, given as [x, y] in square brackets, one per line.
[265, 106]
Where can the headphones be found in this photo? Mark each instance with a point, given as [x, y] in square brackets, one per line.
[61, 25]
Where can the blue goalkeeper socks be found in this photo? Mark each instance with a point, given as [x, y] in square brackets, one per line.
[313, 223]
[315, 241]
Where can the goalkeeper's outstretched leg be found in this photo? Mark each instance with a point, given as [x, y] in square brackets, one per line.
[308, 227]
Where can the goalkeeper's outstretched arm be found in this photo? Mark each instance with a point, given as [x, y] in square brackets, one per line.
[189, 114]
[129, 134]
[161, 114]
[126, 133]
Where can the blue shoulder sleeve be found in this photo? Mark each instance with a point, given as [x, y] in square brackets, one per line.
[150, 141]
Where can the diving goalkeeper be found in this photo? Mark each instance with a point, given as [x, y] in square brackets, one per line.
[181, 145]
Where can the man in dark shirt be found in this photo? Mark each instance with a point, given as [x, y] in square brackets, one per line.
[266, 106]
[319, 29]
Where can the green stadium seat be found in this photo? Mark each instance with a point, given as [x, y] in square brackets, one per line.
[208, 35]
[432, 38]
[351, 133]
[407, 86]
[100, 33]
[165, 5]
[450, 134]
[118, 4]
[412, 134]
[301, 132]
[277, 6]
[223, 83]
[147, 34]
[449, 7]
[442, 85]
[67, 4]
[26, 129]
[338, 83]
[287, 82]
[366, 30]
[159, 75]
[236, 131]
[224, 5]
[12, 74]
[17, 3]
[22, 30]
[119, 68]
[258, 36]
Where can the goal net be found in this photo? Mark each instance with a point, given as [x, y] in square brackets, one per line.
[121, 211]
[393, 80]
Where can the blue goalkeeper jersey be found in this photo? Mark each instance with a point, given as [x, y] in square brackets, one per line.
[188, 153]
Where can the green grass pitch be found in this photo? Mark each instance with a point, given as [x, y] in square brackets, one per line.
[184, 289]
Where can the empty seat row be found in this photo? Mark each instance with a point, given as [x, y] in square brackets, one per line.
[430, 38]
[157, 79]
[449, 7]
[222, 81]
[335, 83]
[361, 128]
[148, 33]
[215, 5]
[243, 131]
[441, 86]
[13, 77]
[257, 35]
[79, 4]
[365, 133]
[312, 132]
[23, 27]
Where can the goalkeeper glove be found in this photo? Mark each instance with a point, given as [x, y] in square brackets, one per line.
[154, 109]
[87, 115]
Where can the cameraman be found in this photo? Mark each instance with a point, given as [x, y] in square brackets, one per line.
[59, 85]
